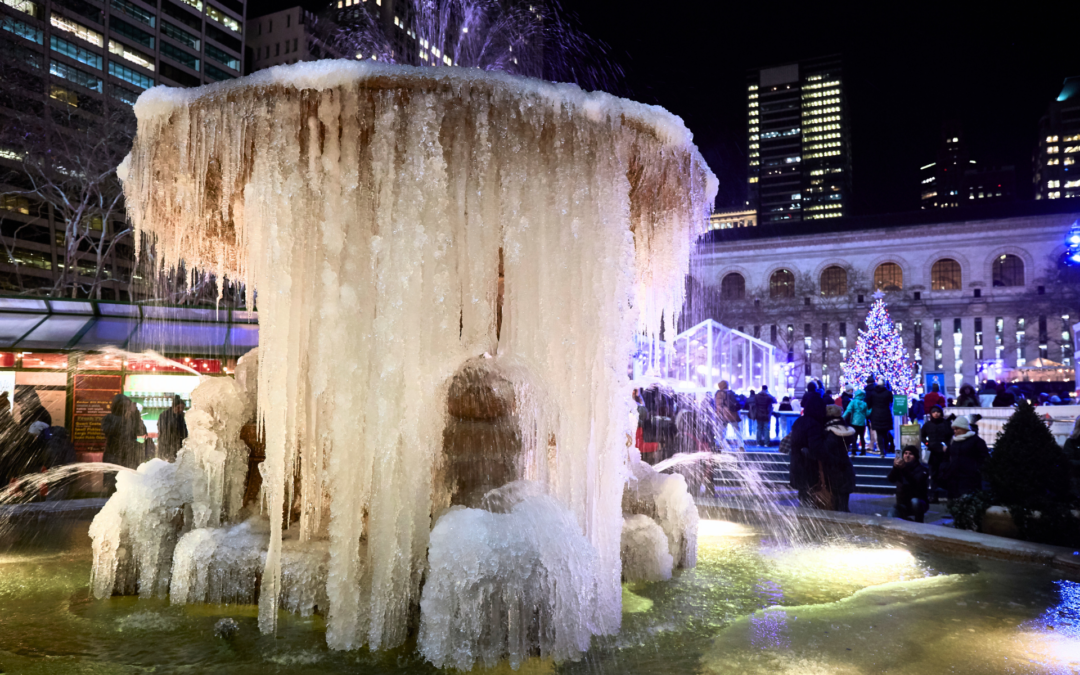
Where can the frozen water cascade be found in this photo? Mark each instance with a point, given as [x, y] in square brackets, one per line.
[383, 213]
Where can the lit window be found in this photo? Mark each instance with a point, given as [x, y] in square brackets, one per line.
[1052, 161]
[131, 55]
[77, 29]
[222, 18]
[945, 274]
[1052, 149]
[1053, 183]
[782, 284]
[888, 277]
[834, 281]
[1051, 139]
[1008, 270]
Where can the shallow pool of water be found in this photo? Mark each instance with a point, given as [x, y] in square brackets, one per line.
[753, 605]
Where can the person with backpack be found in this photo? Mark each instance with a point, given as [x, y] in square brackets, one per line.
[763, 404]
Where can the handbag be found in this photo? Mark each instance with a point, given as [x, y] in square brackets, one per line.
[785, 445]
[821, 494]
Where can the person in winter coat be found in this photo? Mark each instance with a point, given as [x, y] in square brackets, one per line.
[751, 412]
[832, 453]
[937, 434]
[807, 432]
[880, 402]
[967, 398]
[987, 394]
[22, 450]
[727, 410]
[1004, 399]
[812, 404]
[763, 403]
[828, 397]
[846, 396]
[934, 397]
[1072, 451]
[855, 414]
[912, 480]
[785, 404]
[55, 450]
[172, 430]
[122, 428]
[966, 456]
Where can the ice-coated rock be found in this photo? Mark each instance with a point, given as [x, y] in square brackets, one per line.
[509, 585]
[645, 554]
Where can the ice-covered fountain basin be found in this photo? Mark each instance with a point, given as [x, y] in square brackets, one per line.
[846, 605]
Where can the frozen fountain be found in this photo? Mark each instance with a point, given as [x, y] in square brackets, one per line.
[450, 265]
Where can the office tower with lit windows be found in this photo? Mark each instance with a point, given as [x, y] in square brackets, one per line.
[77, 60]
[289, 36]
[1057, 154]
[799, 145]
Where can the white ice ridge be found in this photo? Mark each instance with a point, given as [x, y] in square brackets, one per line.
[665, 499]
[378, 210]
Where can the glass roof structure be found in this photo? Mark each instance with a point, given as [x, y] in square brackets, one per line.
[699, 357]
[53, 324]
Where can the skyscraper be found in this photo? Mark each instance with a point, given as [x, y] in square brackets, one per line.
[1057, 154]
[80, 62]
[800, 152]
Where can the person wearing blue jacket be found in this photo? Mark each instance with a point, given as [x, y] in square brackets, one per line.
[856, 417]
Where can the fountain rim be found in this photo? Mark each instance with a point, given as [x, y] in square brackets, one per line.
[668, 128]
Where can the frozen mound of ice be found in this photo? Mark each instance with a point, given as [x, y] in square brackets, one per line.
[223, 565]
[247, 377]
[508, 585]
[136, 531]
[666, 499]
[645, 554]
[381, 212]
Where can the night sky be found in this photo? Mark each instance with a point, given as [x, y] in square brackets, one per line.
[907, 70]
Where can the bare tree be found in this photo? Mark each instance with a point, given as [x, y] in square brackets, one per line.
[59, 153]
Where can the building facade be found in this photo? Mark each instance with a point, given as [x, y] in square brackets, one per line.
[80, 59]
[726, 220]
[973, 297]
[1057, 154]
[954, 179]
[799, 144]
[288, 36]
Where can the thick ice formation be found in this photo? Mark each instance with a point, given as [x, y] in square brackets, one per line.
[373, 207]
[665, 499]
[136, 531]
[645, 554]
[507, 584]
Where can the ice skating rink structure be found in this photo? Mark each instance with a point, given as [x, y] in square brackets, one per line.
[402, 226]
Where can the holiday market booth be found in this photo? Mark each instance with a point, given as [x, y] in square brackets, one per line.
[700, 357]
[76, 355]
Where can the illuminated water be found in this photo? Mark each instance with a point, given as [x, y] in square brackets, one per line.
[841, 606]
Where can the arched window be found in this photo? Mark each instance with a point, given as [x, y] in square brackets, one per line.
[945, 275]
[1008, 270]
[733, 287]
[782, 284]
[834, 281]
[888, 277]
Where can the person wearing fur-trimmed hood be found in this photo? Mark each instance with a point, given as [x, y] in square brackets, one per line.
[833, 455]
[966, 456]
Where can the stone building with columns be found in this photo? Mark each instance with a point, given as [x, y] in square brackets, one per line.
[976, 292]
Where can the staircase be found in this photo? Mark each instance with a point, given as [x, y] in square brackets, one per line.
[772, 468]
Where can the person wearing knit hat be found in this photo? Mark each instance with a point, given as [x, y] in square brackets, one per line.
[966, 456]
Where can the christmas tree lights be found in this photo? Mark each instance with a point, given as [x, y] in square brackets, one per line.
[880, 352]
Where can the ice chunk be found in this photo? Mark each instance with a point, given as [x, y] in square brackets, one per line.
[508, 585]
[645, 554]
[666, 499]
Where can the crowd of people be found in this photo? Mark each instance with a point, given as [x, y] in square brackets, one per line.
[30, 443]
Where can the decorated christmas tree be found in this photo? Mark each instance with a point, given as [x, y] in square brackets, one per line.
[880, 352]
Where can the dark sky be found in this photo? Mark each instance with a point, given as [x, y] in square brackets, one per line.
[994, 68]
